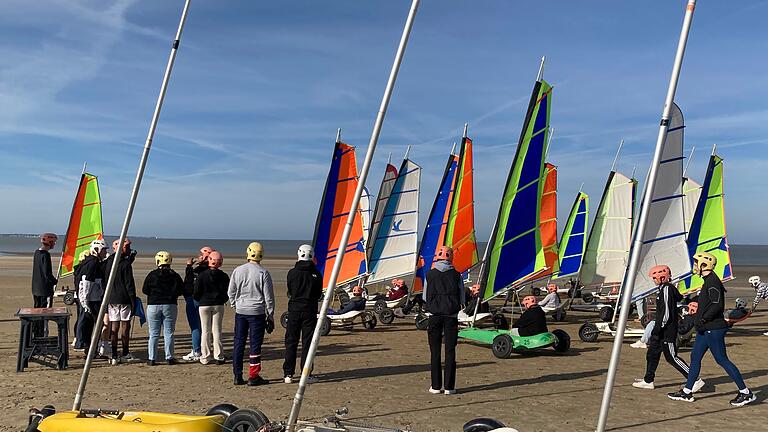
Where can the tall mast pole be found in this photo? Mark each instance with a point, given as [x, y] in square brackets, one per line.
[634, 260]
[129, 213]
[464, 134]
[616, 158]
[688, 162]
[714, 149]
[338, 135]
[299, 397]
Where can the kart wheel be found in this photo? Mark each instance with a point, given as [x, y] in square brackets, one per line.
[559, 315]
[500, 322]
[502, 346]
[222, 409]
[245, 420]
[422, 322]
[588, 332]
[482, 424]
[325, 329]
[587, 297]
[284, 320]
[606, 314]
[369, 320]
[69, 298]
[647, 318]
[387, 316]
[563, 343]
[379, 305]
[536, 291]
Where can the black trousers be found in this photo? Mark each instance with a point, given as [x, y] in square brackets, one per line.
[652, 357]
[85, 325]
[443, 328]
[40, 328]
[300, 325]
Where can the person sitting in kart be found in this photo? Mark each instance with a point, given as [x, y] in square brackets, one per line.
[552, 300]
[356, 303]
[473, 295]
[412, 302]
[533, 321]
[739, 312]
[761, 293]
[398, 290]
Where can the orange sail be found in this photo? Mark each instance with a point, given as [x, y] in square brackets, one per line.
[85, 224]
[460, 234]
[548, 220]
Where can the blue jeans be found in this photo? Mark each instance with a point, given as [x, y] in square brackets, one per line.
[161, 316]
[712, 340]
[193, 318]
[245, 326]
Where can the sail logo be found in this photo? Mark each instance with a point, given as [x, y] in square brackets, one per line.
[396, 226]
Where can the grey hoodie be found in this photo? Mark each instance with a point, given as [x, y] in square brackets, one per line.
[250, 290]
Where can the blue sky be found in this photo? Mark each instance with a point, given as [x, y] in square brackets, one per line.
[259, 88]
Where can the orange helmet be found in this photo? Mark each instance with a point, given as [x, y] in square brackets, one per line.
[215, 259]
[357, 290]
[552, 288]
[205, 251]
[445, 253]
[529, 301]
[660, 274]
[693, 307]
[49, 239]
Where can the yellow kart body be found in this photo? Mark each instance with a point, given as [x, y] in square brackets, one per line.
[131, 422]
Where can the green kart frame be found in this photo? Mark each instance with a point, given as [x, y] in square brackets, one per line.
[504, 343]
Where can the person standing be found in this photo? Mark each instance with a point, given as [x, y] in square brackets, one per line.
[90, 291]
[192, 307]
[251, 294]
[122, 299]
[444, 297]
[664, 333]
[211, 294]
[305, 288]
[710, 332]
[761, 293]
[162, 286]
[43, 280]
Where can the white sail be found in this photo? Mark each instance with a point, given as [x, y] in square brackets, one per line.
[393, 251]
[365, 213]
[387, 183]
[609, 240]
[664, 238]
[691, 193]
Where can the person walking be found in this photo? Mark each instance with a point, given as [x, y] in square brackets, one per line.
[305, 288]
[444, 297]
[251, 294]
[761, 293]
[122, 299]
[710, 332]
[664, 333]
[192, 309]
[90, 291]
[162, 286]
[211, 294]
[43, 280]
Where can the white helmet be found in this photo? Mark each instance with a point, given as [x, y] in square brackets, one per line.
[754, 281]
[97, 246]
[306, 252]
[740, 303]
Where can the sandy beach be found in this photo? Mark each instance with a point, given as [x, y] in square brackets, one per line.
[382, 376]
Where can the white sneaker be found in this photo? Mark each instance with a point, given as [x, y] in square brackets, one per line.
[191, 357]
[450, 392]
[643, 385]
[698, 385]
[114, 361]
[765, 334]
[288, 380]
[639, 344]
[433, 391]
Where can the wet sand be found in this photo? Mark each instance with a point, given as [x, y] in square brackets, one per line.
[382, 376]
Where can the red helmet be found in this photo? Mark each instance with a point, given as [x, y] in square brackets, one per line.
[215, 259]
[126, 245]
[445, 253]
[529, 301]
[49, 239]
[693, 307]
[660, 274]
[552, 288]
[205, 251]
[398, 283]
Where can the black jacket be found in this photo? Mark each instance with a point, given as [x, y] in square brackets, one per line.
[305, 287]
[163, 286]
[445, 290]
[124, 286]
[92, 270]
[666, 313]
[532, 322]
[190, 276]
[709, 316]
[43, 280]
[211, 288]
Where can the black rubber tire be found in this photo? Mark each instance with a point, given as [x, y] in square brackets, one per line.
[536, 291]
[224, 409]
[422, 322]
[588, 332]
[284, 320]
[500, 322]
[606, 314]
[563, 343]
[482, 424]
[325, 329]
[587, 297]
[502, 346]
[379, 305]
[647, 318]
[369, 320]
[387, 316]
[559, 315]
[245, 420]
[69, 298]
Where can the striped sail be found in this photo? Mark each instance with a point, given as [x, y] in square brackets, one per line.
[663, 241]
[460, 232]
[708, 228]
[548, 218]
[574, 240]
[334, 209]
[394, 247]
[385, 190]
[515, 252]
[85, 223]
[691, 194]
